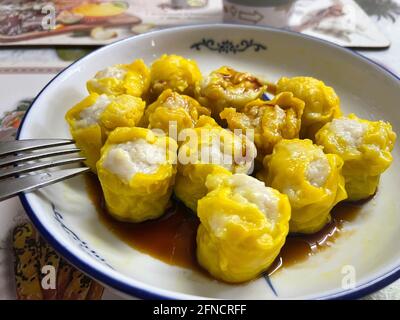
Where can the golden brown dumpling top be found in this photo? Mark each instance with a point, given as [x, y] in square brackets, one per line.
[227, 87]
[273, 120]
[173, 109]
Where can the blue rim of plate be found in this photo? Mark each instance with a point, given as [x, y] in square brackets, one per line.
[355, 293]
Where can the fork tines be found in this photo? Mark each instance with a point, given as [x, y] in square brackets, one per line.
[15, 154]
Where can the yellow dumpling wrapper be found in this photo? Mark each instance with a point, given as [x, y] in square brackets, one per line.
[132, 79]
[243, 226]
[226, 87]
[209, 149]
[365, 146]
[322, 104]
[145, 194]
[271, 121]
[91, 120]
[312, 180]
[173, 110]
[175, 73]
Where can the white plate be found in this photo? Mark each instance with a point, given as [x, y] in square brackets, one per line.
[66, 217]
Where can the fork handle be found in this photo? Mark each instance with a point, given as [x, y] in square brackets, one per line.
[11, 187]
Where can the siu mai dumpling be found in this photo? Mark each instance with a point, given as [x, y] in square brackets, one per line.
[271, 121]
[243, 226]
[365, 147]
[209, 149]
[136, 171]
[311, 179]
[91, 120]
[175, 73]
[322, 104]
[132, 79]
[226, 87]
[173, 112]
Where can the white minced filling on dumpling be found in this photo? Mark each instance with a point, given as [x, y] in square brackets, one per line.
[174, 101]
[350, 130]
[111, 72]
[247, 189]
[218, 223]
[139, 156]
[318, 169]
[280, 114]
[91, 115]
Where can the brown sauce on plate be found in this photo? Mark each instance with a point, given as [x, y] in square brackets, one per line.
[298, 248]
[172, 238]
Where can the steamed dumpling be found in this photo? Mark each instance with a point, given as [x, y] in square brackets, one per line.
[172, 108]
[243, 226]
[175, 73]
[226, 87]
[91, 120]
[365, 146]
[311, 179]
[322, 104]
[272, 121]
[136, 171]
[209, 149]
[132, 79]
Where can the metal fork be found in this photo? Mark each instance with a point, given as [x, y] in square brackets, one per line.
[21, 172]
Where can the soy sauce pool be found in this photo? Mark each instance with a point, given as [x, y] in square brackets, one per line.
[172, 238]
[298, 248]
